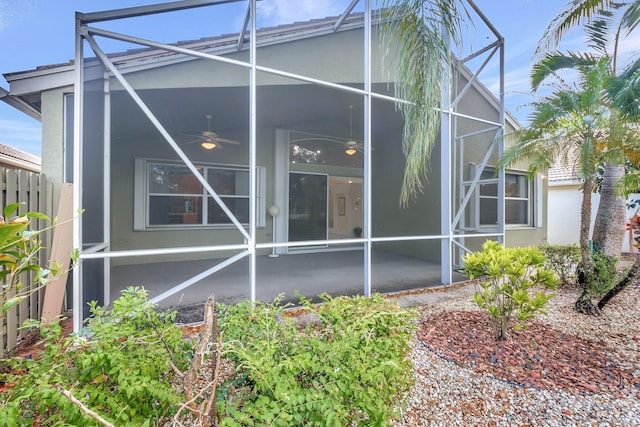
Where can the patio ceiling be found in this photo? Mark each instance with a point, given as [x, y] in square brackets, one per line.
[183, 111]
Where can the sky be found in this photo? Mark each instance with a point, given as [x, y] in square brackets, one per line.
[41, 32]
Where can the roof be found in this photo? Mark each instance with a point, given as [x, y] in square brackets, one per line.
[28, 84]
[564, 170]
[18, 159]
[220, 44]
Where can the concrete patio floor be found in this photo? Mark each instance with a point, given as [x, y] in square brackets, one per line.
[310, 274]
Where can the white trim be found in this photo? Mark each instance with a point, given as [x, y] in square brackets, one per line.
[533, 199]
[141, 196]
[537, 203]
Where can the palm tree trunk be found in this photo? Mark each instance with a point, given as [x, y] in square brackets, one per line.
[585, 224]
[584, 304]
[631, 275]
[608, 230]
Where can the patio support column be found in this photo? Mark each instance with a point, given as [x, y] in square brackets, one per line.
[446, 194]
[367, 151]
[106, 215]
[77, 175]
[251, 244]
[501, 194]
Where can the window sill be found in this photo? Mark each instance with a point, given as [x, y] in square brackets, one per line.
[195, 227]
[520, 227]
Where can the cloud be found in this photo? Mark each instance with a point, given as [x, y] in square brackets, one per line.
[23, 135]
[4, 14]
[280, 11]
[14, 13]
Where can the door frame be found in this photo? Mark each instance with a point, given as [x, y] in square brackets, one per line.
[281, 171]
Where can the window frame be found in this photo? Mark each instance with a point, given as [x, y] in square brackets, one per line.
[142, 196]
[533, 201]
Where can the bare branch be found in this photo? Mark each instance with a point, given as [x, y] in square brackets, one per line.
[83, 408]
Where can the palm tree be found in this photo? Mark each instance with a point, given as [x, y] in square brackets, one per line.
[606, 24]
[422, 58]
[566, 125]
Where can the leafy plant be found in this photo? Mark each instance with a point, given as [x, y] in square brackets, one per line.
[602, 274]
[562, 260]
[347, 368]
[510, 275]
[19, 254]
[120, 368]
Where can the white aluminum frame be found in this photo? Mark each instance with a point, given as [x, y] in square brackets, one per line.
[450, 235]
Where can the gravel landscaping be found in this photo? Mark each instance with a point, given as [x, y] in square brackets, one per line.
[564, 369]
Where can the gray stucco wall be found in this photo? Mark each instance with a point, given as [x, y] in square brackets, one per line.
[313, 57]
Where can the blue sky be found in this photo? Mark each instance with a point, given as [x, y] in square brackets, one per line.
[41, 32]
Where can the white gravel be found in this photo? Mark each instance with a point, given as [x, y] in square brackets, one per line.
[447, 395]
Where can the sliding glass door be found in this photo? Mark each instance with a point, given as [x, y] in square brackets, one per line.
[308, 206]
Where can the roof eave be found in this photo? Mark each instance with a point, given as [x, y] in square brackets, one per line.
[20, 104]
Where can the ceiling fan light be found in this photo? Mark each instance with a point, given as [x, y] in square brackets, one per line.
[208, 145]
[350, 151]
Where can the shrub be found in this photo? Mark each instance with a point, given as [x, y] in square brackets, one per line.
[122, 371]
[603, 273]
[348, 368]
[19, 254]
[510, 275]
[562, 260]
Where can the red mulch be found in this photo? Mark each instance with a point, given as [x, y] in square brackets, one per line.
[538, 356]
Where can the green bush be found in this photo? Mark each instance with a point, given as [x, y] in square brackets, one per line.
[20, 254]
[122, 371]
[603, 274]
[348, 368]
[563, 260]
[510, 274]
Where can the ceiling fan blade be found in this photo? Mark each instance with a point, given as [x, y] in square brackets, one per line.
[227, 141]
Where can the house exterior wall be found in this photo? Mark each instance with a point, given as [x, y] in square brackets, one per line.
[301, 57]
[477, 103]
[313, 57]
[565, 203]
[53, 137]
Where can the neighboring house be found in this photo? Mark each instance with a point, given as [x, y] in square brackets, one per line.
[565, 203]
[308, 150]
[13, 158]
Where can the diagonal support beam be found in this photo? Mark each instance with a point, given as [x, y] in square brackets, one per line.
[152, 118]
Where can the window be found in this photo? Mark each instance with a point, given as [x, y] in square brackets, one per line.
[173, 197]
[518, 203]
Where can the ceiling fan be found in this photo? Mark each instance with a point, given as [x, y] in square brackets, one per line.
[210, 140]
[351, 145]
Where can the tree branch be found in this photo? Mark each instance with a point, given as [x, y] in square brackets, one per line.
[83, 408]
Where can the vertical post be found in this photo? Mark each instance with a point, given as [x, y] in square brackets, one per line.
[106, 215]
[78, 315]
[367, 151]
[501, 132]
[252, 156]
[446, 195]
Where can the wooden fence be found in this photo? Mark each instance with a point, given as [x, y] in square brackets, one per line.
[33, 189]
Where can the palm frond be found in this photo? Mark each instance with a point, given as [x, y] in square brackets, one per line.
[624, 92]
[598, 31]
[554, 62]
[574, 14]
[631, 16]
[423, 57]
[629, 183]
